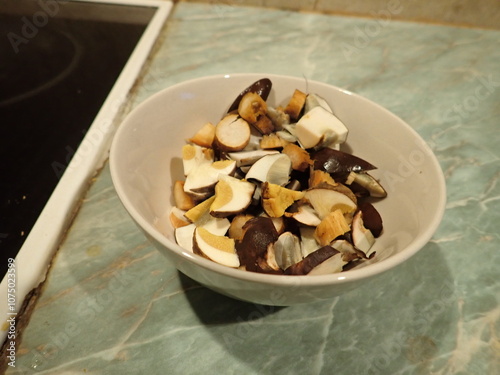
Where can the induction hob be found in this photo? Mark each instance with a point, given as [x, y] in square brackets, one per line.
[66, 68]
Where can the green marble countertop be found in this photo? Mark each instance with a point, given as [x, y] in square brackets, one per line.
[113, 305]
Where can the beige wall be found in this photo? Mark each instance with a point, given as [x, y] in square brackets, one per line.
[475, 13]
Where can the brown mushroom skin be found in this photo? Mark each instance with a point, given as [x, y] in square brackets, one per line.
[312, 260]
[371, 218]
[339, 163]
[262, 87]
[259, 233]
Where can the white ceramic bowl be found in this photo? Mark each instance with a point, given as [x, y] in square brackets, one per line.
[145, 159]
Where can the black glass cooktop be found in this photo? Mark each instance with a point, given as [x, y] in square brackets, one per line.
[58, 62]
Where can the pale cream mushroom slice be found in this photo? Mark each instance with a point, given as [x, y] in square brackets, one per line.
[334, 264]
[177, 218]
[194, 156]
[203, 178]
[325, 199]
[232, 196]
[200, 216]
[184, 236]
[287, 250]
[204, 136]
[312, 264]
[220, 249]
[304, 214]
[182, 200]
[236, 230]
[362, 238]
[308, 243]
[232, 133]
[368, 182]
[274, 168]
[278, 116]
[314, 100]
[320, 128]
[247, 158]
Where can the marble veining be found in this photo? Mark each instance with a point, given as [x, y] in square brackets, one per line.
[113, 305]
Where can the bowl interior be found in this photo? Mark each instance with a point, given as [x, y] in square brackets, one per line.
[146, 159]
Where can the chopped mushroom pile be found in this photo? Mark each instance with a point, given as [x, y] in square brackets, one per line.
[268, 190]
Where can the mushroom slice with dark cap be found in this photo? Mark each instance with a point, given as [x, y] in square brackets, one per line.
[220, 249]
[232, 196]
[314, 263]
[262, 87]
[362, 237]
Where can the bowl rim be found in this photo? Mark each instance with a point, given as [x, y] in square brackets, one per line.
[273, 279]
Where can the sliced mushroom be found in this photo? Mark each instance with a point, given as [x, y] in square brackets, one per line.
[177, 218]
[200, 216]
[259, 233]
[276, 199]
[372, 219]
[204, 177]
[300, 158]
[205, 136]
[182, 200]
[272, 141]
[319, 128]
[334, 264]
[232, 196]
[287, 250]
[314, 100]
[308, 243]
[349, 252]
[246, 158]
[313, 260]
[251, 107]
[324, 200]
[332, 226]
[317, 176]
[272, 168]
[286, 136]
[184, 236]
[369, 183]
[262, 87]
[194, 156]
[338, 162]
[254, 142]
[295, 105]
[220, 249]
[304, 214]
[232, 133]
[278, 116]
[362, 238]
[270, 259]
[236, 228]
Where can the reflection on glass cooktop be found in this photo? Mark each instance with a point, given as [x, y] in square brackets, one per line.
[59, 60]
